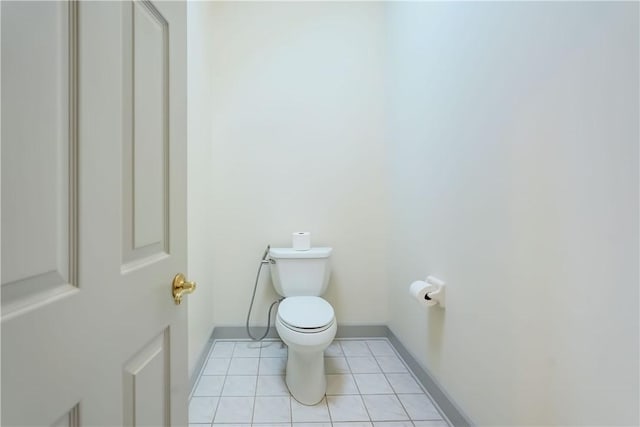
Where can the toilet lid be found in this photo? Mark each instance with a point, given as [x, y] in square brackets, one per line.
[306, 312]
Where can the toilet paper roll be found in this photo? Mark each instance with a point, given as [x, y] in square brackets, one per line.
[419, 290]
[301, 241]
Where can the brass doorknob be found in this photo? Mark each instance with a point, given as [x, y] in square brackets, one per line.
[181, 287]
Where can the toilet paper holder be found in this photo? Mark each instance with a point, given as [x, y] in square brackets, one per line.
[429, 293]
[439, 293]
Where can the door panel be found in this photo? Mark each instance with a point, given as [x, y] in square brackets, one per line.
[38, 191]
[103, 343]
[148, 138]
[146, 385]
[70, 419]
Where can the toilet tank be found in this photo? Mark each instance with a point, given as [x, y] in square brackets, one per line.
[300, 273]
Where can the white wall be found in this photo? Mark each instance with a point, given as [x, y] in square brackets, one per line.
[510, 170]
[199, 179]
[513, 143]
[298, 145]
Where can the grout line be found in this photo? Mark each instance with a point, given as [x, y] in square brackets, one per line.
[394, 392]
[224, 383]
[326, 401]
[410, 372]
[253, 409]
[290, 410]
[201, 372]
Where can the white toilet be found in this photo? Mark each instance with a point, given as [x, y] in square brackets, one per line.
[305, 322]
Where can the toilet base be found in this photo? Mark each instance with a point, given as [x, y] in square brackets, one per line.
[305, 377]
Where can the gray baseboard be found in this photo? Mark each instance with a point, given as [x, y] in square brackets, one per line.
[344, 331]
[452, 411]
[447, 405]
[240, 332]
[362, 331]
[202, 359]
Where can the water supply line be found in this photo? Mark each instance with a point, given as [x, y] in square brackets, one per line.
[265, 260]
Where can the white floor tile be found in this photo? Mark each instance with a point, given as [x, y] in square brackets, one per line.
[341, 384]
[240, 385]
[201, 409]
[217, 366]
[393, 424]
[419, 407]
[243, 385]
[372, 384]
[272, 365]
[234, 410]
[336, 365]
[271, 385]
[403, 383]
[334, 350]
[363, 365]
[391, 364]
[380, 348]
[311, 424]
[222, 349]
[243, 366]
[247, 349]
[274, 349]
[304, 413]
[347, 408]
[355, 348]
[209, 385]
[384, 407]
[270, 409]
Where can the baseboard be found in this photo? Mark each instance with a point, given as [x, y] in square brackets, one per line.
[449, 408]
[202, 359]
[240, 332]
[361, 331]
[447, 405]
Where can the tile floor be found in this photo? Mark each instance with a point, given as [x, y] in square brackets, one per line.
[368, 385]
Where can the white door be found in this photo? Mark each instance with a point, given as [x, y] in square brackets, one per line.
[93, 213]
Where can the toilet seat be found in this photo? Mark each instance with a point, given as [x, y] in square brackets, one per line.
[305, 330]
[306, 314]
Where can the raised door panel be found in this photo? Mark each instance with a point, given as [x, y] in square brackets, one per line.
[38, 153]
[70, 419]
[80, 358]
[146, 385]
[146, 135]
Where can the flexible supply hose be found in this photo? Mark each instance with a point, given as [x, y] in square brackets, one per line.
[253, 296]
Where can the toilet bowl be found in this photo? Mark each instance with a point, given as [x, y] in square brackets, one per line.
[307, 325]
[305, 322]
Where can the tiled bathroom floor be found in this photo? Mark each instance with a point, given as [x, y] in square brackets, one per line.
[368, 385]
